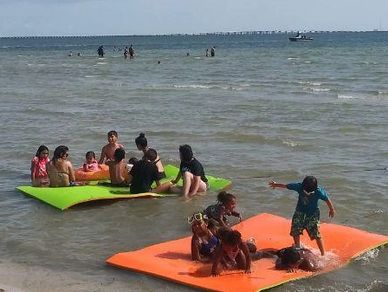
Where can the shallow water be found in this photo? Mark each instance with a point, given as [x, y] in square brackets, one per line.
[263, 107]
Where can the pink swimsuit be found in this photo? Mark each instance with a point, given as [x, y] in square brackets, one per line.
[39, 170]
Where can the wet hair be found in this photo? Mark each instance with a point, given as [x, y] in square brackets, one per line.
[141, 141]
[232, 238]
[224, 197]
[151, 155]
[90, 153]
[222, 232]
[113, 133]
[310, 184]
[186, 152]
[41, 149]
[289, 256]
[132, 160]
[59, 152]
[119, 154]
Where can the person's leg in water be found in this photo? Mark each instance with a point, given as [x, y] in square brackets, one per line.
[187, 182]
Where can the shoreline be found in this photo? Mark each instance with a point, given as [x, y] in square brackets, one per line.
[16, 277]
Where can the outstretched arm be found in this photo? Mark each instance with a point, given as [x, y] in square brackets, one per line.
[275, 185]
[331, 208]
[195, 256]
[245, 251]
[216, 260]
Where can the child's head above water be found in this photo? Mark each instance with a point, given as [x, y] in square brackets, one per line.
[60, 152]
[186, 153]
[141, 142]
[112, 137]
[119, 154]
[310, 184]
[227, 199]
[42, 151]
[151, 155]
[90, 156]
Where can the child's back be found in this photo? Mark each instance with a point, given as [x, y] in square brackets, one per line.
[118, 169]
[143, 173]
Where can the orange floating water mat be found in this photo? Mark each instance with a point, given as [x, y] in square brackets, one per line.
[102, 174]
[172, 260]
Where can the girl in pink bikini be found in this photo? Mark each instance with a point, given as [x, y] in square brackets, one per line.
[90, 164]
[39, 176]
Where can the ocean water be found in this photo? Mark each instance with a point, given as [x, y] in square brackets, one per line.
[263, 107]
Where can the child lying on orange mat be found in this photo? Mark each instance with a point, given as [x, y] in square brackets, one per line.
[204, 241]
[292, 258]
[232, 253]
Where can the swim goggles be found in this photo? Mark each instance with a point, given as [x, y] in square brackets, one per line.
[196, 217]
[308, 193]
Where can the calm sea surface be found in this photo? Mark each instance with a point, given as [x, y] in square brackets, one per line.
[263, 107]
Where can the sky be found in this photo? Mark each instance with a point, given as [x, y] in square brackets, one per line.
[140, 17]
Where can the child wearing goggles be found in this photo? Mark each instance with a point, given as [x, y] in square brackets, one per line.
[204, 241]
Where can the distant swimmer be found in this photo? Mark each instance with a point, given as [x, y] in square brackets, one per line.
[213, 51]
[126, 53]
[100, 51]
[207, 53]
[187, 54]
[70, 54]
[131, 52]
[158, 62]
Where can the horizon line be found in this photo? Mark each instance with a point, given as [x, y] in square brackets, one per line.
[247, 32]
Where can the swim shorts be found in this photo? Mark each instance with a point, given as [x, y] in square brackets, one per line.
[310, 222]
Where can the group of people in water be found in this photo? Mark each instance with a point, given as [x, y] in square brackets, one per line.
[138, 174]
[215, 241]
[213, 238]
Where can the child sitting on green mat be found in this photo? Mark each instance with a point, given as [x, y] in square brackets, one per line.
[307, 213]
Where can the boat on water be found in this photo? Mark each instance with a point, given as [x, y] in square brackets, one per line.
[300, 38]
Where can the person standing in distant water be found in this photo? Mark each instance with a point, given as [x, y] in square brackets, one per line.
[213, 51]
[131, 52]
[207, 53]
[100, 51]
[126, 52]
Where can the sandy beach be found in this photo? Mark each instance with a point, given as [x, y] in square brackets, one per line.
[23, 278]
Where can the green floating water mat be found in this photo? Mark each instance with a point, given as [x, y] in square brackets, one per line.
[66, 197]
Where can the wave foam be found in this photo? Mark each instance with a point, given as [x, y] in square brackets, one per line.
[343, 96]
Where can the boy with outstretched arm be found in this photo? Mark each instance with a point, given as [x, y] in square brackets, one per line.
[307, 213]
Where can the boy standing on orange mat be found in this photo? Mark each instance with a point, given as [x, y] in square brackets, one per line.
[307, 212]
